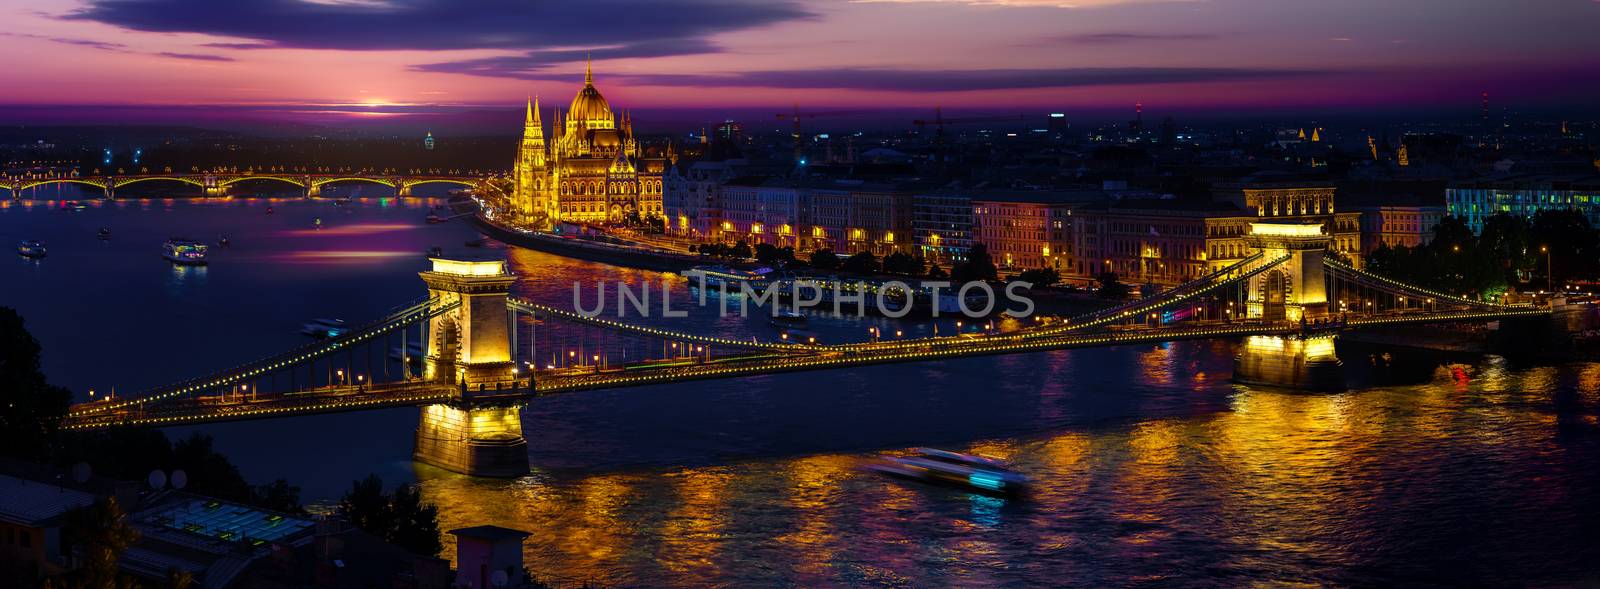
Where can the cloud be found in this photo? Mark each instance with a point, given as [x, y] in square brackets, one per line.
[535, 65]
[195, 56]
[102, 45]
[550, 25]
[1118, 38]
[883, 79]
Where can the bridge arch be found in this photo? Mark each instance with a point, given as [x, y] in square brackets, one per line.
[320, 182]
[26, 184]
[241, 179]
[410, 183]
[120, 182]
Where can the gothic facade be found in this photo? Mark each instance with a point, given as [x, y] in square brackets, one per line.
[593, 172]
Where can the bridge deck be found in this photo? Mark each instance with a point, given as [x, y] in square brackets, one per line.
[327, 400]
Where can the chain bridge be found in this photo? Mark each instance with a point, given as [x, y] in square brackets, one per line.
[471, 355]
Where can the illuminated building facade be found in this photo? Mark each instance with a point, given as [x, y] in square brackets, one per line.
[591, 172]
[1524, 196]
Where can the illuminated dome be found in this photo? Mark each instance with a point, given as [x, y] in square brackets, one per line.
[589, 106]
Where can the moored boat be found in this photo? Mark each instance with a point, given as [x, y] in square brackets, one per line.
[103, 233]
[187, 252]
[31, 248]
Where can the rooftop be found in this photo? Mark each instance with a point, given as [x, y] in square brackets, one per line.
[27, 502]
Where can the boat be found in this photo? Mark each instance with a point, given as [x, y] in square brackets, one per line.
[787, 318]
[187, 252]
[969, 472]
[104, 233]
[73, 206]
[434, 218]
[717, 276]
[222, 241]
[435, 252]
[317, 222]
[269, 210]
[323, 328]
[31, 248]
[478, 242]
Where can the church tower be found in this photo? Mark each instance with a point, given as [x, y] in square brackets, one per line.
[533, 197]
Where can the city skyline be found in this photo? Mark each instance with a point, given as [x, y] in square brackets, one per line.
[333, 60]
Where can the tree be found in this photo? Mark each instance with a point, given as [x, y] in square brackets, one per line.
[402, 519]
[862, 263]
[1040, 277]
[979, 266]
[766, 252]
[416, 523]
[741, 250]
[1111, 287]
[103, 533]
[367, 506]
[934, 271]
[902, 263]
[824, 259]
[30, 408]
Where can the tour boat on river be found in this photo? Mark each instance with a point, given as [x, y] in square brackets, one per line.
[187, 252]
[31, 248]
[954, 469]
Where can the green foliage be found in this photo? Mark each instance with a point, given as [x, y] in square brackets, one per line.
[824, 259]
[131, 453]
[979, 266]
[766, 252]
[1510, 250]
[103, 533]
[1111, 287]
[861, 263]
[934, 271]
[30, 408]
[402, 519]
[902, 263]
[1040, 278]
[741, 250]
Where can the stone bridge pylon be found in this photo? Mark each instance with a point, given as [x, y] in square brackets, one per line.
[479, 430]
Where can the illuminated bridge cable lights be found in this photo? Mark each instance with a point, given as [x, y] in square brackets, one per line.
[1341, 267]
[410, 315]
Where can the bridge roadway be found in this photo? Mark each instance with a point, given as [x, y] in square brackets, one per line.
[217, 183]
[548, 382]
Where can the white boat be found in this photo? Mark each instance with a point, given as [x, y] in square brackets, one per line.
[187, 252]
[31, 248]
[323, 328]
[954, 469]
[714, 277]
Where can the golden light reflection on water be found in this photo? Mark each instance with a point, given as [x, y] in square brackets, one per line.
[343, 256]
[1276, 477]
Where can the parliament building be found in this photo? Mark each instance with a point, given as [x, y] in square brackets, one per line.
[594, 172]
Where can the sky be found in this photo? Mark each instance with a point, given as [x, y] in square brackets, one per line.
[376, 58]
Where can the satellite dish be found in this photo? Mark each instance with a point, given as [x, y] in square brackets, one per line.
[157, 479]
[498, 579]
[81, 472]
[180, 479]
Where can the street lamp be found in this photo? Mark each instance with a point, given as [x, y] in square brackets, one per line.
[1549, 280]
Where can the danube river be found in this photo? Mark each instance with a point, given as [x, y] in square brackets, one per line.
[1152, 468]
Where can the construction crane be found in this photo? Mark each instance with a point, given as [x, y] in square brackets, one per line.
[799, 143]
[939, 121]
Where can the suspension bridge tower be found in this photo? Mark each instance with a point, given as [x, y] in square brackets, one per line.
[1294, 291]
[479, 430]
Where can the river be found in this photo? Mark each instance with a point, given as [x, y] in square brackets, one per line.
[1151, 466]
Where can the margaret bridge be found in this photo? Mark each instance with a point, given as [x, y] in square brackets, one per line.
[484, 354]
[218, 183]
